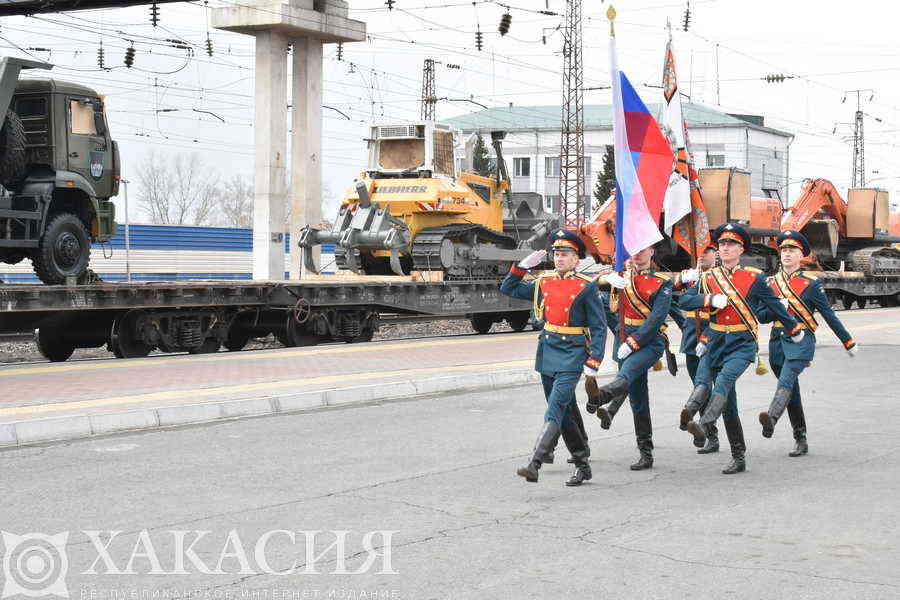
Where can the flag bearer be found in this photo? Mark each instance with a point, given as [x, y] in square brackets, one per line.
[571, 343]
[802, 293]
[646, 298]
[732, 292]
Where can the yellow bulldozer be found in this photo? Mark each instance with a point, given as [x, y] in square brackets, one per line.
[411, 211]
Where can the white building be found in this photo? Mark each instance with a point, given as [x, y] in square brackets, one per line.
[717, 139]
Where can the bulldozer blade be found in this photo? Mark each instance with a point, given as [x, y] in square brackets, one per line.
[396, 267]
[308, 261]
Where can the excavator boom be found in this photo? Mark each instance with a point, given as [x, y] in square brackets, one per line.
[817, 195]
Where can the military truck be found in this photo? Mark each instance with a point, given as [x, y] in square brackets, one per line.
[59, 170]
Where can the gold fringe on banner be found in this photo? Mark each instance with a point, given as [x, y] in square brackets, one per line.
[761, 368]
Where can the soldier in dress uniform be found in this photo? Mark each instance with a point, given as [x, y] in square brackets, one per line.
[571, 343]
[646, 298]
[693, 340]
[802, 294]
[732, 293]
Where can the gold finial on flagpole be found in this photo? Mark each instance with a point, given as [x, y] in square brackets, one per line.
[611, 15]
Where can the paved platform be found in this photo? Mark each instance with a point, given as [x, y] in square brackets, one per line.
[103, 387]
[439, 473]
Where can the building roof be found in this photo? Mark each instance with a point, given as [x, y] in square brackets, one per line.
[596, 116]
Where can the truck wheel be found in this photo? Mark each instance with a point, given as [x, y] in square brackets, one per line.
[64, 250]
[51, 346]
[482, 322]
[12, 152]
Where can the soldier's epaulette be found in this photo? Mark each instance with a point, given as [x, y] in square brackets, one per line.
[585, 277]
[663, 275]
[753, 270]
[810, 276]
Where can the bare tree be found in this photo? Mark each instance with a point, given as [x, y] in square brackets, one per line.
[235, 203]
[179, 190]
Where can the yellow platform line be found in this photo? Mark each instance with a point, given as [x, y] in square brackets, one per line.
[259, 387]
[268, 355]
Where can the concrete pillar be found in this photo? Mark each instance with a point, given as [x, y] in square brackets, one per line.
[306, 146]
[270, 130]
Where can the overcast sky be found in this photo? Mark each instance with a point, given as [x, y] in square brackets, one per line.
[827, 46]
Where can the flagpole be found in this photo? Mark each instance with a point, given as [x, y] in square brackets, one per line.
[620, 306]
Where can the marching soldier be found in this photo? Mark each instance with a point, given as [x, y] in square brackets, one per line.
[731, 292]
[572, 342]
[802, 293]
[693, 345]
[646, 298]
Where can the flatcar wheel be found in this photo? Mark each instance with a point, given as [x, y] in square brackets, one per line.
[125, 340]
[482, 322]
[518, 320]
[210, 346]
[847, 301]
[236, 339]
[51, 346]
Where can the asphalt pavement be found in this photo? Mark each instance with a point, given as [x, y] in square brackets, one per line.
[427, 493]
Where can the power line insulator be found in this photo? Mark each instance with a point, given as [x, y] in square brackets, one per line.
[154, 14]
[340, 51]
[479, 40]
[778, 78]
[101, 55]
[389, 4]
[209, 45]
[505, 22]
[686, 24]
[129, 56]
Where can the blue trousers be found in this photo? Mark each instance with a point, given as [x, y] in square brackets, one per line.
[559, 389]
[693, 366]
[634, 369]
[786, 370]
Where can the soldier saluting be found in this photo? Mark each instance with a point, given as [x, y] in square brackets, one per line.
[571, 343]
[802, 293]
[731, 292]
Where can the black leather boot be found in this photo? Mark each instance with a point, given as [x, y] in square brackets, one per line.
[735, 433]
[578, 446]
[798, 424]
[612, 390]
[776, 409]
[575, 416]
[712, 440]
[643, 432]
[696, 401]
[607, 413]
[593, 393]
[545, 443]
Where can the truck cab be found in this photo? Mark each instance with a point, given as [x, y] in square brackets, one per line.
[59, 169]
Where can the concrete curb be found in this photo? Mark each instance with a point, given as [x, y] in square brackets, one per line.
[38, 431]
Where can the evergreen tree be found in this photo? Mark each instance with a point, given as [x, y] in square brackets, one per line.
[481, 160]
[606, 179]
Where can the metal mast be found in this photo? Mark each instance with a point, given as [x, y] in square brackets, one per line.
[858, 170]
[429, 97]
[571, 151]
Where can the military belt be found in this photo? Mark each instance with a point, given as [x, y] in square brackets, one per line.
[630, 321]
[799, 325]
[565, 330]
[692, 314]
[738, 327]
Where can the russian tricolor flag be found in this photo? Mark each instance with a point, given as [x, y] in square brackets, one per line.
[643, 165]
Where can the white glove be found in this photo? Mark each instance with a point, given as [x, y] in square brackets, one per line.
[690, 275]
[700, 350]
[798, 337]
[785, 303]
[589, 372]
[624, 351]
[719, 300]
[853, 350]
[615, 280]
[533, 259]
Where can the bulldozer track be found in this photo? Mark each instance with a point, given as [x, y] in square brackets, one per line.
[427, 246]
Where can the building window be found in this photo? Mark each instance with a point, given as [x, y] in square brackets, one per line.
[522, 167]
[715, 160]
[551, 166]
[587, 170]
